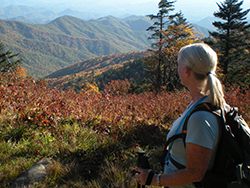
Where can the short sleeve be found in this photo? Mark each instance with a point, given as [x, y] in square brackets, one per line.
[203, 129]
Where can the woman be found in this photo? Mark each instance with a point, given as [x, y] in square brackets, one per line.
[196, 68]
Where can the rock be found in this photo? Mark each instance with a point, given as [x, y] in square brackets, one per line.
[33, 175]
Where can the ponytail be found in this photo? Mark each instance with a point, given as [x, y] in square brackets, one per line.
[214, 89]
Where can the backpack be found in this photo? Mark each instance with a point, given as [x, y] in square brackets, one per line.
[232, 161]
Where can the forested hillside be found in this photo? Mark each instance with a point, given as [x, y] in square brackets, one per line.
[134, 71]
[66, 41]
[100, 69]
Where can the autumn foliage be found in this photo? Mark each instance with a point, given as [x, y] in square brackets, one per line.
[39, 121]
[26, 101]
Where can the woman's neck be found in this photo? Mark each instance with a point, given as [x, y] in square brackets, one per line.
[194, 86]
[196, 96]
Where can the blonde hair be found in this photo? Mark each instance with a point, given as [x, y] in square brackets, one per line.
[202, 60]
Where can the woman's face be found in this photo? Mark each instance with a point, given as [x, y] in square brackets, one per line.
[181, 72]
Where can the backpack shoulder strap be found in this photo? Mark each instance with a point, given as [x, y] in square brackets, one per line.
[200, 107]
[171, 139]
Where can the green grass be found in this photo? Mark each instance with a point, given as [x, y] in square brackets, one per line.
[81, 157]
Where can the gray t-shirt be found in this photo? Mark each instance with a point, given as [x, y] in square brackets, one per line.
[202, 129]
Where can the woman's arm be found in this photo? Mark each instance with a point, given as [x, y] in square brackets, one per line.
[197, 161]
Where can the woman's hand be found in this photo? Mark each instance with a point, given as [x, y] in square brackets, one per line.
[142, 175]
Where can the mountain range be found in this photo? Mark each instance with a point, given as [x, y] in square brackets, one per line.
[194, 10]
[43, 15]
[83, 9]
[46, 48]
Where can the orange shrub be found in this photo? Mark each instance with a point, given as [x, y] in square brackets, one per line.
[29, 102]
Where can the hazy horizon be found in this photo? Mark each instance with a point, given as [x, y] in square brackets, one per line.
[193, 10]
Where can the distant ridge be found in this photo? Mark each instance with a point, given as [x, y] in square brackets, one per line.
[135, 23]
[36, 15]
[46, 48]
[207, 23]
[67, 40]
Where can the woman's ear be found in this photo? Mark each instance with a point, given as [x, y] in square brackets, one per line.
[187, 70]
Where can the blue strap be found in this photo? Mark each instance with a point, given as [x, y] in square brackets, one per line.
[182, 121]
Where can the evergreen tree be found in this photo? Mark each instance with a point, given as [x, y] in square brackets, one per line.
[172, 32]
[231, 34]
[7, 60]
[178, 34]
[239, 72]
[179, 19]
[156, 62]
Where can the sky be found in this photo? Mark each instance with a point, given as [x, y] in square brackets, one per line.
[192, 9]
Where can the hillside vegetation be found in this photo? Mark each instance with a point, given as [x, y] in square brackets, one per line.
[66, 41]
[92, 137]
[101, 70]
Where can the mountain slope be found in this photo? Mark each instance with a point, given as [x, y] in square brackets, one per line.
[98, 64]
[65, 41]
[207, 23]
[75, 76]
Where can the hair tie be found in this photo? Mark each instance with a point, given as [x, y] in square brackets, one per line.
[209, 73]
